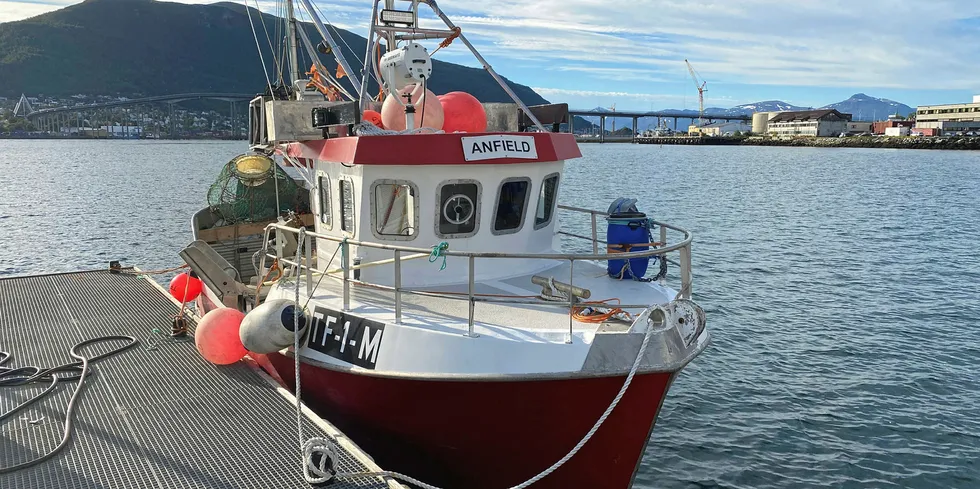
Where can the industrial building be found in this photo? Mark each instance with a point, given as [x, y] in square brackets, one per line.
[893, 121]
[858, 127]
[719, 128]
[950, 118]
[822, 122]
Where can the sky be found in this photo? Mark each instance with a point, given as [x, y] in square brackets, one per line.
[597, 53]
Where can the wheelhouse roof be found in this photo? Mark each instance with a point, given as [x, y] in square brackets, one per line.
[427, 149]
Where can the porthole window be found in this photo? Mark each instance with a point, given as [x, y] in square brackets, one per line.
[394, 209]
[546, 201]
[347, 205]
[458, 212]
[512, 198]
[325, 205]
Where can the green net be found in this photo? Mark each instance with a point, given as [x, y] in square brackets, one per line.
[236, 200]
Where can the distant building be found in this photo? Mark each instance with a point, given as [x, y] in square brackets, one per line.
[858, 127]
[923, 131]
[950, 118]
[719, 128]
[898, 131]
[124, 132]
[823, 122]
[893, 121]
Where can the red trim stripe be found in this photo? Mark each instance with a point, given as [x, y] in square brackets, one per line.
[425, 149]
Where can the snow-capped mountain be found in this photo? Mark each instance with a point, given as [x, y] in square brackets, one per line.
[865, 108]
[766, 106]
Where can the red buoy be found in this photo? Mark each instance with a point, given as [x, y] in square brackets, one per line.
[186, 288]
[374, 117]
[393, 112]
[217, 337]
[462, 112]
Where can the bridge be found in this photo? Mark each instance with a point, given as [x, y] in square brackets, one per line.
[675, 115]
[54, 118]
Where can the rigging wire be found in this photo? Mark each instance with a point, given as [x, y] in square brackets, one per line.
[255, 35]
[422, 98]
[337, 33]
[269, 40]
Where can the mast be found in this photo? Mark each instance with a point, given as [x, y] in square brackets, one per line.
[291, 43]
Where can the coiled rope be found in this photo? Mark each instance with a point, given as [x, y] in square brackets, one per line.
[437, 252]
[78, 369]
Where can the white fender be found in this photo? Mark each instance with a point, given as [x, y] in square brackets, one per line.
[269, 327]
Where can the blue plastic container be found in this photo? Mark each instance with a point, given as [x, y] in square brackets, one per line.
[627, 228]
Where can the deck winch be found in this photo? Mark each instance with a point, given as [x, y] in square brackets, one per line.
[269, 327]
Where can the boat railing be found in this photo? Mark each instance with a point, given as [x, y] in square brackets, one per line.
[305, 247]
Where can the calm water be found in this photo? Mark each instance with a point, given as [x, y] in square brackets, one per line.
[842, 288]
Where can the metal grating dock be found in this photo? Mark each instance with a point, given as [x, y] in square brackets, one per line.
[158, 417]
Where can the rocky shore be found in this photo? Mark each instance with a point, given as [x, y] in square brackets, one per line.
[812, 142]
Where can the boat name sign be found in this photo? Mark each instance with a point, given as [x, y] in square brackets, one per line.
[345, 337]
[477, 148]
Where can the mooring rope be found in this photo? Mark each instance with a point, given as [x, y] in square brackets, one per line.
[78, 369]
[318, 455]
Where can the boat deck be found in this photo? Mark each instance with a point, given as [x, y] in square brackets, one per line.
[527, 321]
[154, 416]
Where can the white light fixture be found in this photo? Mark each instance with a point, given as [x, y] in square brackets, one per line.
[404, 17]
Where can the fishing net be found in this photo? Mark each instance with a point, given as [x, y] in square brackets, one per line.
[245, 191]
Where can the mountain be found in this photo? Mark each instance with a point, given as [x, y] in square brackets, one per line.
[145, 48]
[865, 108]
[765, 106]
[862, 107]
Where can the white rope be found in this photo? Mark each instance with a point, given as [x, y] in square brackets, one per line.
[314, 473]
[323, 470]
[366, 128]
[317, 473]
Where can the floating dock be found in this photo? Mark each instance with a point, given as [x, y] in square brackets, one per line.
[156, 415]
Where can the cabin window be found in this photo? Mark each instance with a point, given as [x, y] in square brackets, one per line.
[394, 209]
[325, 216]
[458, 214]
[546, 201]
[347, 205]
[508, 217]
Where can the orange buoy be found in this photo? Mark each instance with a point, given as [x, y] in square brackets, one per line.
[393, 113]
[217, 337]
[462, 113]
[374, 117]
[185, 287]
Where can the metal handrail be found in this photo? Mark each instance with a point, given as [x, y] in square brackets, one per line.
[683, 248]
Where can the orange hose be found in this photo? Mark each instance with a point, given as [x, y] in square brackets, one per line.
[258, 287]
[597, 317]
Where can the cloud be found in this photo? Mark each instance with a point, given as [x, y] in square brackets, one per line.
[13, 10]
[639, 47]
[602, 98]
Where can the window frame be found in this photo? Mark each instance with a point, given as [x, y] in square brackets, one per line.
[554, 205]
[476, 207]
[374, 209]
[353, 218]
[328, 224]
[496, 205]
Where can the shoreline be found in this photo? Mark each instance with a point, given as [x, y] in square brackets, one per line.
[906, 142]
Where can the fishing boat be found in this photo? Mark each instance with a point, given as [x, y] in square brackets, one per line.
[419, 278]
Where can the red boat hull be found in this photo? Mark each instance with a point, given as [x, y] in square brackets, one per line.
[489, 434]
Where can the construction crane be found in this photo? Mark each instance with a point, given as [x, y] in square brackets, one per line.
[700, 84]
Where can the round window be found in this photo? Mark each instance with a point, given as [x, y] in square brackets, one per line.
[458, 209]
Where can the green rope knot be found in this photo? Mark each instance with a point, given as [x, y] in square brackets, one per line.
[437, 251]
[343, 253]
